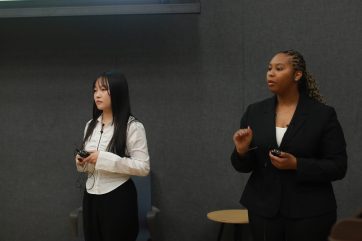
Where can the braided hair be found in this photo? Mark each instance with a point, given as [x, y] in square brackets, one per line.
[307, 84]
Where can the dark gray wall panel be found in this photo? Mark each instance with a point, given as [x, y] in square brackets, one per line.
[190, 77]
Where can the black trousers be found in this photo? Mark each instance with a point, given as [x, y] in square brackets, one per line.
[280, 228]
[112, 216]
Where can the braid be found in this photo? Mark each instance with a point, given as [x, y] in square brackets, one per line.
[307, 83]
[312, 87]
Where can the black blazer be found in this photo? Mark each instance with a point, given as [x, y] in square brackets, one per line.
[315, 138]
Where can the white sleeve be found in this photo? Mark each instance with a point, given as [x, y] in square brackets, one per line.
[138, 164]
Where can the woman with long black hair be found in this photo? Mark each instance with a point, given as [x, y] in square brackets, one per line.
[117, 147]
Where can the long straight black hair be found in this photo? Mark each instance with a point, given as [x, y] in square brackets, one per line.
[117, 86]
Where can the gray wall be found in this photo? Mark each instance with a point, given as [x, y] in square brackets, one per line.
[190, 77]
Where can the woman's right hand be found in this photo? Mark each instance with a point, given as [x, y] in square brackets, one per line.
[79, 160]
[242, 139]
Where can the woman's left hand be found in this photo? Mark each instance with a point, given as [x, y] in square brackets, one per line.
[92, 158]
[285, 161]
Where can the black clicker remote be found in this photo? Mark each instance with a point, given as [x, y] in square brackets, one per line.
[83, 153]
[276, 152]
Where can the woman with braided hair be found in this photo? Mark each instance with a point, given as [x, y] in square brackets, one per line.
[294, 147]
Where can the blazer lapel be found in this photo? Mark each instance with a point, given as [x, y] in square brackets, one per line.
[298, 119]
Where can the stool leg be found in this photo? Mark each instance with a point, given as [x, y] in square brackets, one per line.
[220, 232]
[238, 232]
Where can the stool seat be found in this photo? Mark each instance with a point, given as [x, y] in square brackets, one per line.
[229, 216]
[235, 216]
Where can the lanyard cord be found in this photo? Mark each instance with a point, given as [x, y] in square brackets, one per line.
[99, 141]
[92, 174]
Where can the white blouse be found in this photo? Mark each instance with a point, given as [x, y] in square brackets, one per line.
[111, 170]
[280, 131]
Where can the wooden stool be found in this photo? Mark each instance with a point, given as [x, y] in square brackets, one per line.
[232, 216]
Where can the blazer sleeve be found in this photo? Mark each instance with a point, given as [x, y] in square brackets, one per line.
[332, 163]
[138, 162]
[243, 163]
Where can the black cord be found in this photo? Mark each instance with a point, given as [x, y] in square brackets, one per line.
[82, 179]
[92, 174]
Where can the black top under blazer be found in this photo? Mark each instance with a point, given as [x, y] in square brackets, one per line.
[315, 137]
